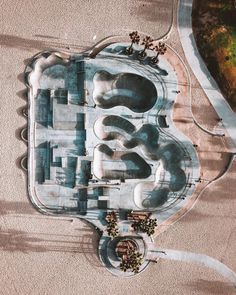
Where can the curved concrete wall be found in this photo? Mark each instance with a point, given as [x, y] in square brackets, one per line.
[122, 165]
[124, 89]
[119, 122]
[156, 198]
[136, 143]
[169, 176]
[117, 128]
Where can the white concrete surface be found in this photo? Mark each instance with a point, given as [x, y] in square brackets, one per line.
[202, 259]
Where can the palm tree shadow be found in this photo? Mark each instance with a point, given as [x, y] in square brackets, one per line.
[212, 287]
[22, 43]
[194, 216]
[31, 44]
[19, 241]
[147, 9]
[89, 247]
[9, 208]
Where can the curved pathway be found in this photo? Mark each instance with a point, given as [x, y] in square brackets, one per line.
[200, 70]
[201, 259]
[177, 62]
[100, 45]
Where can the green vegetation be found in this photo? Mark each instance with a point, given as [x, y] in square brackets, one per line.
[215, 32]
[132, 260]
[220, 40]
[146, 225]
[232, 47]
[112, 227]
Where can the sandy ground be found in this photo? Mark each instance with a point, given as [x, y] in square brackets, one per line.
[46, 255]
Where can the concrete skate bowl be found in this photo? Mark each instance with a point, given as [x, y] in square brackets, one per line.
[151, 199]
[109, 164]
[170, 180]
[124, 89]
[117, 128]
[147, 196]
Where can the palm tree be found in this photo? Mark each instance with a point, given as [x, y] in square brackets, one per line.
[112, 226]
[147, 42]
[132, 260]
[111, 216]
[145, 225]
[135, 38]
[160, 49]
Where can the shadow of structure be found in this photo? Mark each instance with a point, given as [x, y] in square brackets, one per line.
[195, 216]
[23, 43]
[18, 131]
[211, 287]
[20, 241]
[46, 36]
[149, 9]
[30, 44]
[124, 89]
[7, 208]
[22, 93]
[223, 193]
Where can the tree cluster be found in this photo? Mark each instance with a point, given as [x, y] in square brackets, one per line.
[146, 225]
[112, 227]
[147, 42]
[132, 260]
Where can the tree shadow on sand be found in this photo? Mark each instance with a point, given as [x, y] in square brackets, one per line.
[31, 44]
[19, 241]
[8, 208]
[211, 287]
[148, 9]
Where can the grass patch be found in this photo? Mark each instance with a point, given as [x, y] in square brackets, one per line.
[221, 40]
[215, 33]
[232, 47]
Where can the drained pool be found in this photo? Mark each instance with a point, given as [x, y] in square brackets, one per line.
[124, 89]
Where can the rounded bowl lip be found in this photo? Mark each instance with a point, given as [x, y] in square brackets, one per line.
[25, 168]
[23, 133]
[103, 255]
[25, 112]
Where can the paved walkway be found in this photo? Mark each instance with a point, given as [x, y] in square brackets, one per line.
[200, 70]
[201, 259]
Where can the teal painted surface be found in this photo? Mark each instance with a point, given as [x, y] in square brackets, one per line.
[103, 138]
